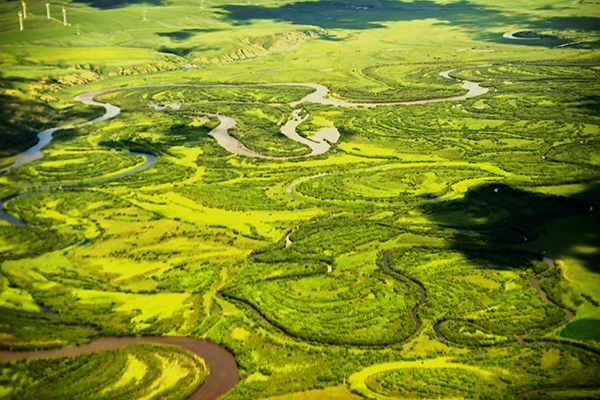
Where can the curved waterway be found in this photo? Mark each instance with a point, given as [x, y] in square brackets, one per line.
[223, 375]
[319, 143]
[511, 35]
[474, 89]
[149, 159]
[318, 96]
[535, 282]
[34, 152]
[415, 310]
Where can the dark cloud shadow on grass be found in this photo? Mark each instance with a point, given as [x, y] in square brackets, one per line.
[184, 34]
[184, 51]
[112, 4]
[589, 105]
[581, 23]
[334, 14]
[496, 218]
[483, 21]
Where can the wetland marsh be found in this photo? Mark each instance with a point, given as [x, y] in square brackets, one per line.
[300, 200]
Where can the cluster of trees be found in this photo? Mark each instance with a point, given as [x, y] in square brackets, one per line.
[417, 84]
[29, 330]
[520, 72]
[543, 365]
[490, 290]
[369, 310]
[238, 196]
[139, 98]
[433, 383]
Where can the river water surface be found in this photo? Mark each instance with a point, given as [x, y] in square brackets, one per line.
[223, 374]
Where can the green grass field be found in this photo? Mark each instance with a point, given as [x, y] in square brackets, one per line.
[283, 261]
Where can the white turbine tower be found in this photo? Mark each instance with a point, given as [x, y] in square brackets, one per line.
[24, 9]
[21, 20]
[64, 16]
[144, 11]
[202, 4]
[48, 10]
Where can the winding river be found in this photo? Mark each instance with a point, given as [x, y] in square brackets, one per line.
[511, 35]
[535, 282]
[223, 369]
[319, 143]
[423, 299]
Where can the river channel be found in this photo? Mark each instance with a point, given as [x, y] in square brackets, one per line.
[422, 300]
[319, 143]
[223, 369]
[535, 282]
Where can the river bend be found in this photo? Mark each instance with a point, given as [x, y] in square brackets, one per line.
[223, 371]
[422, 300]
[318, 96]
[535, 282]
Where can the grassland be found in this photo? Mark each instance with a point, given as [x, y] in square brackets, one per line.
[465, 195]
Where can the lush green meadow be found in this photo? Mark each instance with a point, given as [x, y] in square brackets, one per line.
[309, 270]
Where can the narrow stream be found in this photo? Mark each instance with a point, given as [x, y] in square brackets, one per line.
[415, 310]
[535, 282]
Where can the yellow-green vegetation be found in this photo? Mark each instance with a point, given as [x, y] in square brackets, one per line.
[140, 371]
[16, 298]
[493, 290]
[365, 380]
[488, 376]
[369, 310]
[430, 382]
[392, 185]
[62, 167]
[331, 393]
[404, 262]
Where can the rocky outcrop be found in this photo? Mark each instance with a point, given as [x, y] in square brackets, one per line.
[263, 45]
